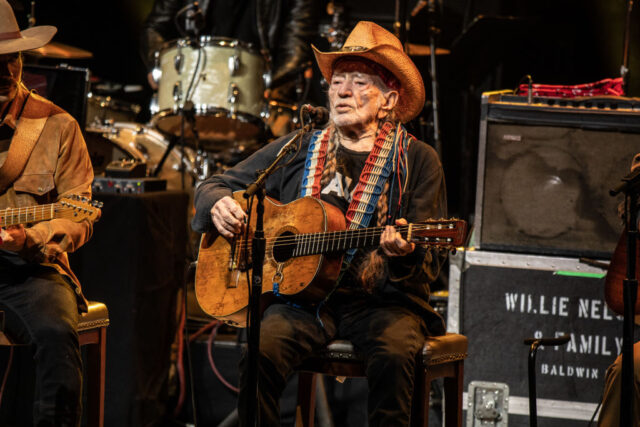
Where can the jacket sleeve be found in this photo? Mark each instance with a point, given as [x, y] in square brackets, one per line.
[298, 29]
[46, 240]
[425, 198]
[237, 178]
[158, 27]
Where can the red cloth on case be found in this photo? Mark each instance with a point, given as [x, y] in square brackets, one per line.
[612, 87]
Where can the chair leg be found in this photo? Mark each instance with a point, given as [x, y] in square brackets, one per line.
[420, 399]
[306, 406]
[96, 359]
[453, 396]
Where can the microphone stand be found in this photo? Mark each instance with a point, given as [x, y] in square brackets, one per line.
[631, 188]
[257, 188]
[435, 107]
[624, 70]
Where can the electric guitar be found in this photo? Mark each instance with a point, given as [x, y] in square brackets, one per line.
[75, 208]
[305, 241]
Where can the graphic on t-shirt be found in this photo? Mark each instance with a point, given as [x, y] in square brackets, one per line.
[339, 187]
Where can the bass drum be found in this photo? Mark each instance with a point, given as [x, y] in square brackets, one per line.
[133, 141]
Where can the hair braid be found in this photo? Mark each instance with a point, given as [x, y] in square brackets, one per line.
[331, 163]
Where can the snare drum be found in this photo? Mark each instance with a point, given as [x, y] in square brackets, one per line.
[224, 78]
[134, 141]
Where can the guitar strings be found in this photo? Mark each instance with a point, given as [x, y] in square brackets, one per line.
[330, 236]
[59, 211]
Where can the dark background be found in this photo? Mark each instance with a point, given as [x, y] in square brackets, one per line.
[554, 41]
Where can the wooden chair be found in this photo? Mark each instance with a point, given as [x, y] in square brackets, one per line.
[92, 332]
[441, 357]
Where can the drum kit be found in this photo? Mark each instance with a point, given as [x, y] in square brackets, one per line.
[209, 112]
[223, 82]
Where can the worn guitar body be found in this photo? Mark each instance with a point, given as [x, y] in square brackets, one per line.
[222, 287]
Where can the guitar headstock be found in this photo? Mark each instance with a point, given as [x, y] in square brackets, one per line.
[81, 207]
[448, 233]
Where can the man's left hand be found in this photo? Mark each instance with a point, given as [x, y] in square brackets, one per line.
[392, 242]
[13, 238]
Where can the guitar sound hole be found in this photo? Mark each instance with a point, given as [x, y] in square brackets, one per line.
[284, 246]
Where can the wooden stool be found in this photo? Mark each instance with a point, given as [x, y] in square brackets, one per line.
[441, 357]
[92, 332]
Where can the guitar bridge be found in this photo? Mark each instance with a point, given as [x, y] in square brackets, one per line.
[239, 255]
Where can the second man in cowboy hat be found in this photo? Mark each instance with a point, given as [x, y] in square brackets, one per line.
[366, 164]
[43, 157]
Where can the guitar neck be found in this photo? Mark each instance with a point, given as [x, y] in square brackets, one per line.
[340, 241]
[15, 216]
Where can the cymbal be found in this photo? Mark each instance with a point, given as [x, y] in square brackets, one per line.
[60, 51]
[414, 49]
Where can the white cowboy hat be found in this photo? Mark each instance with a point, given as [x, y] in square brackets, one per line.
[371, 41]
[13, 40]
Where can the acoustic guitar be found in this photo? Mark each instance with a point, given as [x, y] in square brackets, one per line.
[75, 208]
[616, 273]
[305, 241]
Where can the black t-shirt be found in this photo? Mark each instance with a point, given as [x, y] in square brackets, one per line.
[349, 165]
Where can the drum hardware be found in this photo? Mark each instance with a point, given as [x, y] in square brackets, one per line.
[336, 33]
[434, 9]
[234, 64]
[177, 91]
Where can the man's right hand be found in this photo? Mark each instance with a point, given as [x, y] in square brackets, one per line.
[152, 82]
[228, 217]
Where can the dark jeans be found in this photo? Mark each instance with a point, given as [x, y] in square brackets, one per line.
[41, 308]
[389, 336]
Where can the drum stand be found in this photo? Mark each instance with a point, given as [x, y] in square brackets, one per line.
[186, 115]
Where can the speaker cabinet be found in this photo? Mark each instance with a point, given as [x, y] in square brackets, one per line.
[545, 170]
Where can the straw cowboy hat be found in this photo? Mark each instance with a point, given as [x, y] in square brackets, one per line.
[13, 40]
[371, 41]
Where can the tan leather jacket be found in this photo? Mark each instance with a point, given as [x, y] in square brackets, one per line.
[57, 166]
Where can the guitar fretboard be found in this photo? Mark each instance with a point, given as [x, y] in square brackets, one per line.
[15, 216]
[339, 241]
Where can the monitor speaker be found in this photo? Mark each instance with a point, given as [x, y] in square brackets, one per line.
[545, 170]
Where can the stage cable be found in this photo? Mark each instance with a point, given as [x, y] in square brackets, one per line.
[6, 373]
[212, 364]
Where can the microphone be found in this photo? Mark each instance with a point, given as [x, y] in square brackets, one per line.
[194, 19]
[318, 115]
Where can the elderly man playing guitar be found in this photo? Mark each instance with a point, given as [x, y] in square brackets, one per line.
[366, 165]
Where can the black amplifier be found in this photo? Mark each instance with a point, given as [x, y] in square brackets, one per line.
[545, 170]
[102, 184]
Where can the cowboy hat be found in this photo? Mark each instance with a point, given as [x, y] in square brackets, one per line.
[13, 40]
[371, 41]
